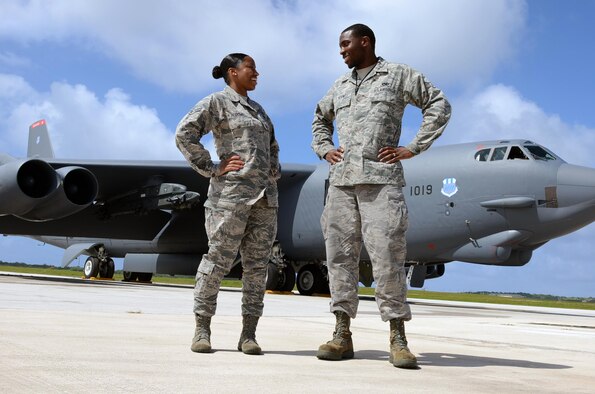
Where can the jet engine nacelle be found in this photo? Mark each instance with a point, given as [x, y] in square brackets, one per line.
[76, 190]
[24, 184]
[32, 190]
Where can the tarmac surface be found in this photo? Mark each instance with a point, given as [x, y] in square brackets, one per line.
[70, 335]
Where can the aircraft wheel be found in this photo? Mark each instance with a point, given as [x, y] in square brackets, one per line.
[324, 285]
[111, 268]
[272, 278]
[91, 267]
[129, 276]
[287, 278]
[144, 276]
[309, 279]
[106, 269]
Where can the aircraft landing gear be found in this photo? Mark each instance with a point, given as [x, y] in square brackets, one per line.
[91, 267]
[280, 272]
[280, 279]
[107, 268]
[311, 279]
[99, 268]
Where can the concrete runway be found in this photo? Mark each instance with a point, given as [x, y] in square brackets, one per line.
[70, 335]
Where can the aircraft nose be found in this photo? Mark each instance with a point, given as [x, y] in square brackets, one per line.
[576, 185]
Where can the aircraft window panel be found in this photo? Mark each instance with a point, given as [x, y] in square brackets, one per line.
[539, 153]
[499, 153]
[482, 155]
[516, 153]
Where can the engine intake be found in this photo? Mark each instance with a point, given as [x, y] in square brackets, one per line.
[24, 184]
[76, 191]
[80, 185]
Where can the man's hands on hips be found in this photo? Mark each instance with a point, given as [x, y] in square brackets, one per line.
[390, 154]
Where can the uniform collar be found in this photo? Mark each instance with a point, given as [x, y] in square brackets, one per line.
[381, 66]
[235, 96]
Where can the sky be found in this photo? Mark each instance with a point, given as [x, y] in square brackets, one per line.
[114, 78]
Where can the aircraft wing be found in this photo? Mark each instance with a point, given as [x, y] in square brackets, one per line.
[132, 199]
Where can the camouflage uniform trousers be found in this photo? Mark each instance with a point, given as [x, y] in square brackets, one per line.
[249, 229]
[378, 215]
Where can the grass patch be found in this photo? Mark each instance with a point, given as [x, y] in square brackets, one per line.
[189, 280]
[507, 299]
[483, 297]
[77, 272]
[540, 300]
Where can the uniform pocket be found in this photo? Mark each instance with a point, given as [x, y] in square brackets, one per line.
[342, 106]
[241, 122]
[397, 211]
[205, 268]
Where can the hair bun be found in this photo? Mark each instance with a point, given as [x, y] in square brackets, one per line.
[217, 73]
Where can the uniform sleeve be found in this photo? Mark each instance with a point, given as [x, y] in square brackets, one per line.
[434, 106]
[197, 123]
[274, 152]
[322, 125]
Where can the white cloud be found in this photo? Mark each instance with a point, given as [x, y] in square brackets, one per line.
[14, 88]
[500, 112]
[295, 43]
[82, 125]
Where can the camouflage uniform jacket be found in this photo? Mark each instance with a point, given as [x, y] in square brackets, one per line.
[370, 118]
[240, 127]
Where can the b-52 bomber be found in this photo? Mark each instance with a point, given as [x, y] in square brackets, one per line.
[491, 202]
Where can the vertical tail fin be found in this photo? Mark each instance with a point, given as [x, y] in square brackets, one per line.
[39, 141]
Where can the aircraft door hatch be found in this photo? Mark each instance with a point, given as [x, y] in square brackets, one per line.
[551, 197]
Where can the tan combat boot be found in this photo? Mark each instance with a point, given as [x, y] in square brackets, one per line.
[341, 346]
[400, 356]
[201, 343]
[247, 343]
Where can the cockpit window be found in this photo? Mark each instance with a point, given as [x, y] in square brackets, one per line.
[516, 153]
[482, 155]
[499, 153]
[539, 153]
